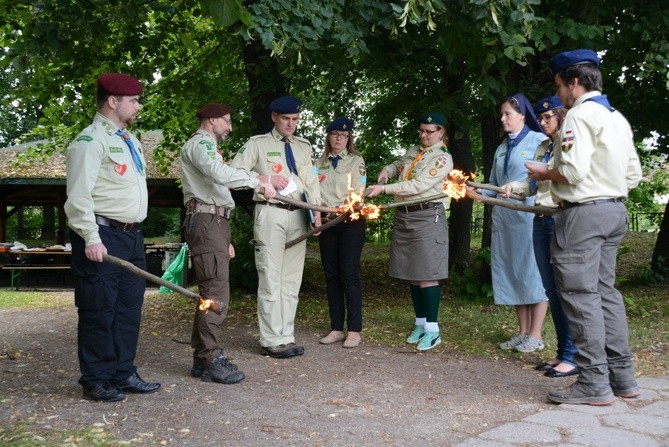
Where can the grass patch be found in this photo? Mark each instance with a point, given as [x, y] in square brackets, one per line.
[20, 436]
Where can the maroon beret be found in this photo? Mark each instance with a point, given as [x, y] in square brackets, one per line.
[213, 110]
[119, 84]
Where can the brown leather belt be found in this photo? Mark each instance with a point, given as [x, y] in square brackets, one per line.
[221, 211]
[283, 206]
[420, 206]
[565, 205]
[107, 222]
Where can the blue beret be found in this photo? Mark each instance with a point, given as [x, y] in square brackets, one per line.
[340, 124]
[119, 84]
[286, 105]
[433, 118]
[546, 104]
[573, 57]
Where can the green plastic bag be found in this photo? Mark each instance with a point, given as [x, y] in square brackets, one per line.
[175, 271]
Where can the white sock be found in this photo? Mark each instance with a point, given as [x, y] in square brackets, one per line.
[420, 321]
[431, 327]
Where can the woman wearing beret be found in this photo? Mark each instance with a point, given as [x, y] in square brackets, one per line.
[551, 113]
[515, 276]
[341, 170]
[419, 246]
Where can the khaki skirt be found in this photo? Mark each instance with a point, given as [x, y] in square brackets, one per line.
[419, 246]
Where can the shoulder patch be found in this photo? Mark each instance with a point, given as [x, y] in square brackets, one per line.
[85, 138]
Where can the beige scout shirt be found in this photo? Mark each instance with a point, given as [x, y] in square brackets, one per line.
[595, 153]
[102, 179]
[543, 194]
[204, 175]
[427, 176]
[337, 184]
[265, 155]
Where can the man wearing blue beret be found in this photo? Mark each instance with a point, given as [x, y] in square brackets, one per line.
[596, 165]
[287, 160]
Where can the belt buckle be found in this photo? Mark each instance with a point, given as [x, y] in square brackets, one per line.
[212, 209]
[127, 227]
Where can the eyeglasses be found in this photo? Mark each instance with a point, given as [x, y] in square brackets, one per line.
[546, 117]
[227, 120]
[337, 135]
[427, 131]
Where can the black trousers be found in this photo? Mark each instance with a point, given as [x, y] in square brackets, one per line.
[341, 247]
[109, 304]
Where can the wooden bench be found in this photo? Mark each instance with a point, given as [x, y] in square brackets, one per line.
[16, 270]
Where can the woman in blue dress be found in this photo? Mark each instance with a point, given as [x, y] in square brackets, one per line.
[515, 276]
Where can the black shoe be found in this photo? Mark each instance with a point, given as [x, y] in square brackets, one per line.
[544, 366]
[222, 371]
[135, 384]
[197, 370]
[283, 351]
[104, 392]
[551, 372]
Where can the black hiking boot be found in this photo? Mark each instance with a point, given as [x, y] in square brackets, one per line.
[220, 370]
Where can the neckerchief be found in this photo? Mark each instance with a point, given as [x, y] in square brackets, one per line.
[418, 156]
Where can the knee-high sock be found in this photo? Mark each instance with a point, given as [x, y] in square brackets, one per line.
[430, 298]
[418, 301]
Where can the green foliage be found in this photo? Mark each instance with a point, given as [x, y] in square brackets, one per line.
[466, 282]
[243, 271]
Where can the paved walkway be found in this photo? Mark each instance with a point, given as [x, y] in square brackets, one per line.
[639, 422]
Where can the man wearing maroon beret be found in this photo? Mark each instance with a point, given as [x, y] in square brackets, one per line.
[206, 180]
[106, 202]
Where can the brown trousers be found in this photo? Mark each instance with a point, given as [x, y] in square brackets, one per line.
[208, 239]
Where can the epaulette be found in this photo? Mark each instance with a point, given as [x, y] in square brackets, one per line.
[302, 139]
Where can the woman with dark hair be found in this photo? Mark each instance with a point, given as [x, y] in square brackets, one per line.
[551, 113]
[341, 170]
[515, 276]
[419, 246]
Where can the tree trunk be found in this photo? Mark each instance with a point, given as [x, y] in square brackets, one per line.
[660, 261]
[490, 137]
[48, 231]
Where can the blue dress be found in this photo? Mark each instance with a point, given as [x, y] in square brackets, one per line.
[515, 276]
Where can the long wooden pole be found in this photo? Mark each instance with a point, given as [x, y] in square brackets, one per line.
[155, 279]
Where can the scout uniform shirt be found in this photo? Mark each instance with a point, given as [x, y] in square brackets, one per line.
[336, 184]
[204, 175]
[265, 155]
[543, 191]
[425, 178]
[595, 153]
[102, 179]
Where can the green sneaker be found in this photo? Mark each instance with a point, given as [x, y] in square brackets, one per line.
[428, 341]
[416, 335]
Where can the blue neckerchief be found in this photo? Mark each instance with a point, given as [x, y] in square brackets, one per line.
[135, 155]
[513, 143]
[290, 158]
[545, 158]
[603, 100]
[335, 161]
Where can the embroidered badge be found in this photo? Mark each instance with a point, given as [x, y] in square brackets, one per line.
[363, 180]
[567, 141]
[321, 178]
[502, 155]
[274, 154]
[85, 138]
[441, 162]
[433, 172]
[361, 169]
[120, 169]
[315, 170]
[523, 154]
[115, 150]
[277, 167]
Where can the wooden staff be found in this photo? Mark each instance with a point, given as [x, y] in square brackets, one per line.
[325, 226]
[386, 206]
[214, 306]
[536, 209]
[494, 188]
[310, 206]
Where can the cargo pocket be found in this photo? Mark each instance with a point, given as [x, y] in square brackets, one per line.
[205, 266]
[573, 274]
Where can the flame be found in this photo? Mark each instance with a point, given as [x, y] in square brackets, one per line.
[355, 206]
[455, 184]
[205, 304]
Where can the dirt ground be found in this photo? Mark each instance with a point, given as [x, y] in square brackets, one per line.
[331, 396]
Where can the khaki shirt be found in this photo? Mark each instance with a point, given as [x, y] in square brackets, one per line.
[427, 176]
[265, 155]
[102, 179]
[595, 153]
[204, 175]
[337, 184]
[543, 194]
